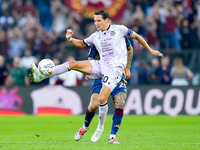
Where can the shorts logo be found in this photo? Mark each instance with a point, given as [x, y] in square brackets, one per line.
[112, 33]
[116, 126]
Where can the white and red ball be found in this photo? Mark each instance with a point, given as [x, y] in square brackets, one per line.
[46, 67]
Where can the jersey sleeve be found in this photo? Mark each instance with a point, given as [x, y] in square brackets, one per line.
[128, 43]
[89, 41]
[125, 31]
[93, 52]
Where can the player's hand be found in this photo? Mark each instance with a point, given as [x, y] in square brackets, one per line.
[127, 73]
[86, 77]
[156, 53]
[69, 34]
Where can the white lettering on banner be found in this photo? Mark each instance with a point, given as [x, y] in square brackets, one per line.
[148, 102]
[178, 105]
[134, 102]
[188, 103]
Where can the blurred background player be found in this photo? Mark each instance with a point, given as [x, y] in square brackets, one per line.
[3, 71]
[162, 73]
[118, 95]
[18, 75]
[180, 74]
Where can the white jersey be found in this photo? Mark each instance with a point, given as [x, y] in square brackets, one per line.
[110, 45]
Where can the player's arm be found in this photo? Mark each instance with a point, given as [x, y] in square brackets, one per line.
[144, 43]
[129, 61]
[75, 42]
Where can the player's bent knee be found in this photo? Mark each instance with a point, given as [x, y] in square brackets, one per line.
[102, 99]
[73, 64]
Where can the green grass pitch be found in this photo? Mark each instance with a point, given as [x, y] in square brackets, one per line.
[136, 132]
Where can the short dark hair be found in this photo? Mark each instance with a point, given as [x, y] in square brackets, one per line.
[103, 13]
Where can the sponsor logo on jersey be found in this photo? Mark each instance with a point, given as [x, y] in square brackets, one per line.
[112, 33]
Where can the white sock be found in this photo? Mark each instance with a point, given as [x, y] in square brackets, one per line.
[112, 135]
[59, 69]
[103, 109]
[86, 128]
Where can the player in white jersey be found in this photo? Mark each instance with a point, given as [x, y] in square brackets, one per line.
[118, 95]
[110, 43]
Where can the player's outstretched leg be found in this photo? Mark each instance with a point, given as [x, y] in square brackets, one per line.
[88, 118]
[37, 75]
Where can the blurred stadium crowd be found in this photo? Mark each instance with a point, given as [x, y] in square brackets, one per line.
[34, 29]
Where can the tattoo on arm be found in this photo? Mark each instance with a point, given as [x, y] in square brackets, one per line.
[120, 100]
[129, 56]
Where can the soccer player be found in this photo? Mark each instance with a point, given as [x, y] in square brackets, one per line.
[118, 95]
[110, 43]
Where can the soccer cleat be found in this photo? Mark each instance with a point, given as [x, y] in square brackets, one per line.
[95, 137]
[113, 140]
[79, 134]
[36, 74]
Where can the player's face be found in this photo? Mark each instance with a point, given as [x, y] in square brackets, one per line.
[100, 23]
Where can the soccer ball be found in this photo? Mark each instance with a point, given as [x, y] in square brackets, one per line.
[46, 67]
